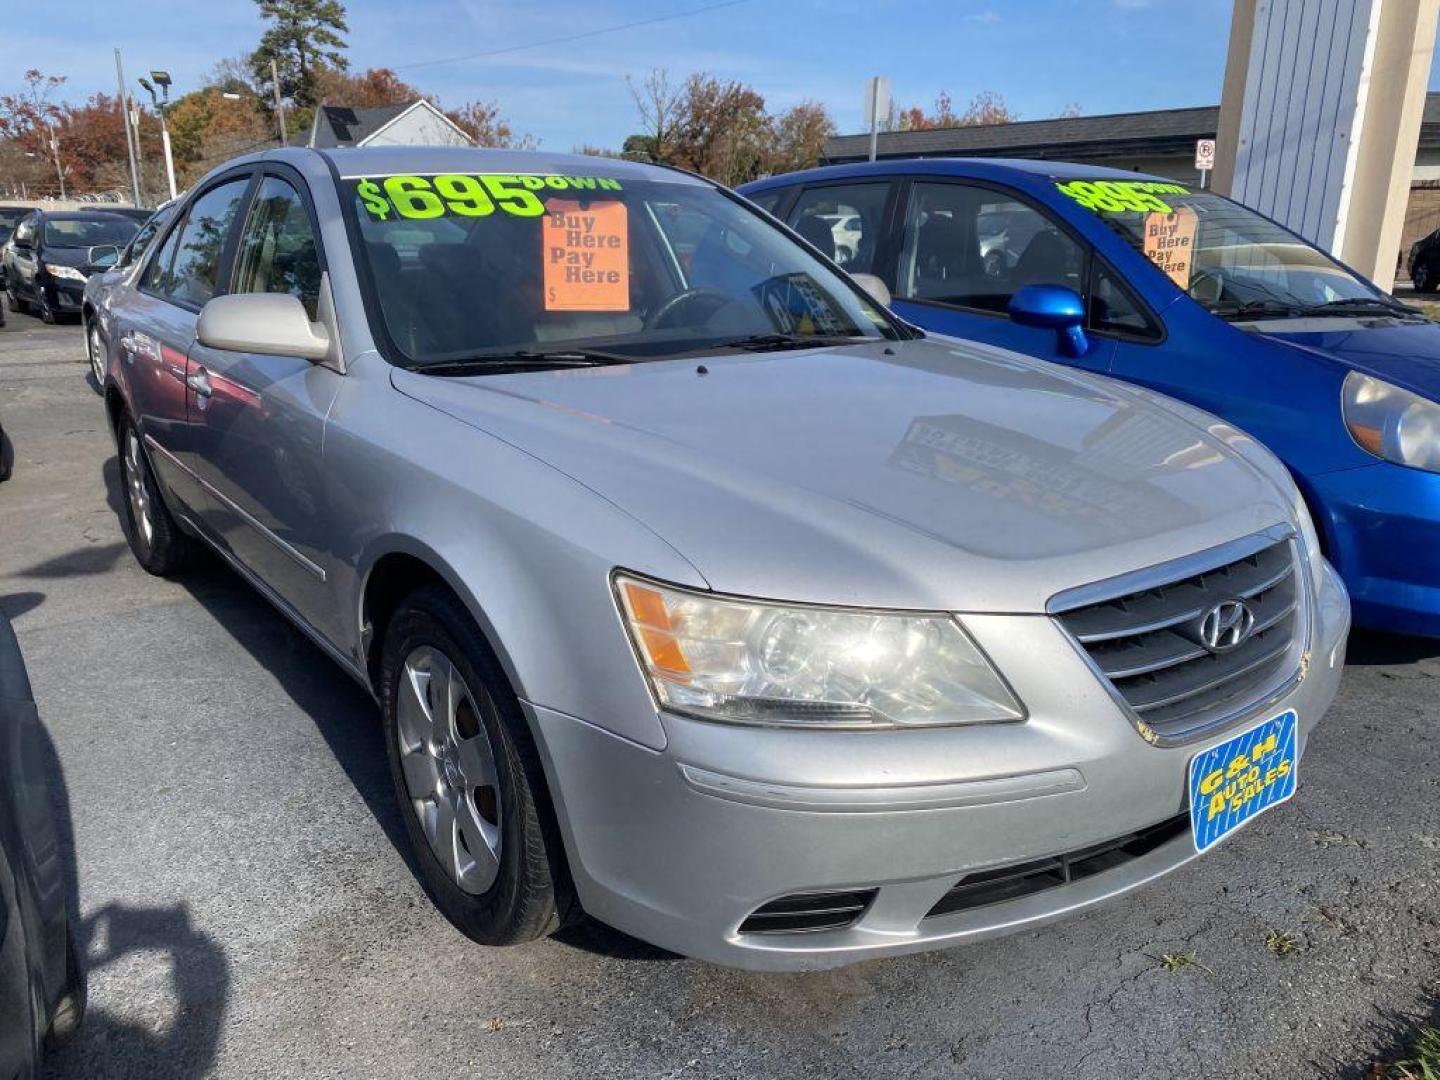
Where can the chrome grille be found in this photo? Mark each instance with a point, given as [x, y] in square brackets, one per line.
[1149, 644]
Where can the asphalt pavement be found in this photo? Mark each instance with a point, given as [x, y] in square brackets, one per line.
[249, 911]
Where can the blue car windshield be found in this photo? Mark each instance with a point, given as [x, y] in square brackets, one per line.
[522, 267]
[1226, 257]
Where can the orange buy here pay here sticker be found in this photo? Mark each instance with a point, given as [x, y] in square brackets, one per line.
[587, 256]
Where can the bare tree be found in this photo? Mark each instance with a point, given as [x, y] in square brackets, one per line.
[662, 111]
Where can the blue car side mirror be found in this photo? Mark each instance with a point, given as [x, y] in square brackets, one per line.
[1053, 307]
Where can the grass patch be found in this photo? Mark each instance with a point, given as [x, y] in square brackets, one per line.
[1281, 943]
[1421, 1061]
[1180, 961]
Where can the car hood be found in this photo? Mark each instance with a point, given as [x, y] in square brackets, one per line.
[1404, 353]
[920, 474]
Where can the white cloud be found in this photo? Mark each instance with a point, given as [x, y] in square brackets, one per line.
[989, 18]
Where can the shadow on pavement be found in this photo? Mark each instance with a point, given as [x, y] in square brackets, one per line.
[1374, 648]
[93, 559]
[108, 1044]
[15, 604]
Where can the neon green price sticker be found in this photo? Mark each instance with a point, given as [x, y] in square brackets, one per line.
[469, 195]
[1120, 196]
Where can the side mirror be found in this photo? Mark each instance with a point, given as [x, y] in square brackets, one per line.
[873, 286]
[23, 243]
[273, 324]
[103, 256]
[1053, 307]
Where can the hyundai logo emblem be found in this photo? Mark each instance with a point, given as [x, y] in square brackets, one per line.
[1226, 626]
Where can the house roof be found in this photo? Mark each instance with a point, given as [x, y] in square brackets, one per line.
[342, 125]
[1160, 132]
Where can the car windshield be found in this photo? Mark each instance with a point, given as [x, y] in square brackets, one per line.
[528, 268]
[87, 232]
[1228, 258]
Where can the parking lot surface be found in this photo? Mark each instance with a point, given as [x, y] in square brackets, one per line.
[249, 911]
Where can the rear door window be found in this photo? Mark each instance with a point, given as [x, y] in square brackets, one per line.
[974, 247]
[844, 221]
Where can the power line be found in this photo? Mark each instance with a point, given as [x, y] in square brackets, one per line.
[571, 37]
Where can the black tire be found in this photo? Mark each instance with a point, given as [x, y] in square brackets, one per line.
[7, 455]
[43, 308]
[530, 895]
[14, 302]
[1424, 279]
[155, 538]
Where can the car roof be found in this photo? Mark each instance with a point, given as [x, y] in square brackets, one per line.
[981, 168]
[82, 215]
[380, 160]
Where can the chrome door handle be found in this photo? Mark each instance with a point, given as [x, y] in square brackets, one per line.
[199, 381]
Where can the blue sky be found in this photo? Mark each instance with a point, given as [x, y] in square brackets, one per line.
[1104, 55]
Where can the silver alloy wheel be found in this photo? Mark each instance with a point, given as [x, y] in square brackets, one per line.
[449, 768]
[96, 348]
[135, 487]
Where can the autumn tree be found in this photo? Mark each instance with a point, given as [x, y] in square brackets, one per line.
[26, 118]
[986, 107]
[207, 128]
[303, 38]
[721, 131]
[370, 89]
[481, 120]
[797, 137]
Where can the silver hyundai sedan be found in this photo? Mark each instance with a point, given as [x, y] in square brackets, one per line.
[698, 592]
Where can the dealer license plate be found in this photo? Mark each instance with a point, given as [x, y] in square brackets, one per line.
[1241, 778]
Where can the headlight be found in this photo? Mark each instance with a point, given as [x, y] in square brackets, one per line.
[68, 272]
[1392, 423]
[753, 662]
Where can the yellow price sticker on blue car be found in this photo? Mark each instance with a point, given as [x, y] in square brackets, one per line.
[1242, 777]
[1121, 196]
[470, 194]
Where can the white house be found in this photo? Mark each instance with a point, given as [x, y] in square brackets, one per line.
[417, 123]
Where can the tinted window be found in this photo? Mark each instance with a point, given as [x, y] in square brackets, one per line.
[1112, 307]
[769, 200]
[843, 221]
[277, 252]
[191, 276]
[87, 232]
[974, 247]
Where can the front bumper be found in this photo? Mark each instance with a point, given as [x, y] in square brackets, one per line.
[66, 296]
[1382, 524]
[679, 847]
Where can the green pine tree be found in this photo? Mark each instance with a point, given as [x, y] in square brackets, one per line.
[302, 37]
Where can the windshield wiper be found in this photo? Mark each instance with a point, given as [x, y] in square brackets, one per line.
[523, 360]
[775, 342]
[1365, 304]
[1252, 309]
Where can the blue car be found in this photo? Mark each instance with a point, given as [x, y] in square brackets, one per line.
[1182, 291]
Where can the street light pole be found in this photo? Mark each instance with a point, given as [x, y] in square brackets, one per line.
[162, 79]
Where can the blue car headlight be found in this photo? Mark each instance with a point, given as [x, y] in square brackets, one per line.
[1391, 423]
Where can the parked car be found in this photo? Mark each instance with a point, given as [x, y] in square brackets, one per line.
[49, 258]
[1245, 320]
[700, 593]
[42, 977]
[10, 216]
[134, 213]
[1422, 263]
[114, 267]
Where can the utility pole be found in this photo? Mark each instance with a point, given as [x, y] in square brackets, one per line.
[279, 109]
[129, 134]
